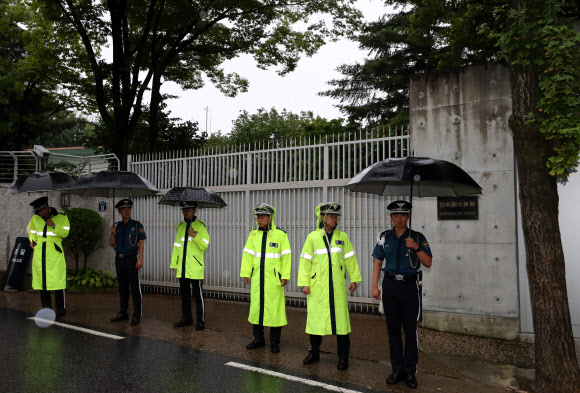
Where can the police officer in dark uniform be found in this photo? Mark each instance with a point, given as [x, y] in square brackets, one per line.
[404, 251]
[128, 238]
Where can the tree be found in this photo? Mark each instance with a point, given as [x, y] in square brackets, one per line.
[537, 41]
[86, 231]
[174, 134]
[32, 101]
[276, 127]
[185, 42]
[414, 40]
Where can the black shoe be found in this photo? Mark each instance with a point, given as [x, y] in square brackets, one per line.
[60, 312]
[395, 377]
[200, 326]
[136, 320]
[342, 364]
[311, 358]
[183, 322]
[121, 316]
[255, 344]
[412, 381]
[275, 348]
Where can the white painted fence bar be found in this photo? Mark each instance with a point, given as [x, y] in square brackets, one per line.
[294, 179]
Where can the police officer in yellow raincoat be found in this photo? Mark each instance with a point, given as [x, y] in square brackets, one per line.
[46, 230]
[191, 242]
[266, 262]
[326, 258]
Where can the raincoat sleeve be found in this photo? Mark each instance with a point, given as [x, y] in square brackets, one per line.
[177, 250]
[286, 258]
[201, 241]
[62, 226]
[247, 258]
[31, 229]
[305, 267]
[350, 262]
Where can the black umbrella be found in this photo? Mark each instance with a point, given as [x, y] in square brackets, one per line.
[41, 182]
[111, 184]
[414, 176]
[419, 176]
[204, 198]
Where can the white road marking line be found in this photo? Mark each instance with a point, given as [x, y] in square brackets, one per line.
[310, 382]
[80, 329]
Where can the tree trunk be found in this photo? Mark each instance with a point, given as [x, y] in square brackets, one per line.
[154, 106]
[556, 364]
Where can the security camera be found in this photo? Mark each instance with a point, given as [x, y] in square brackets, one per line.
[41, 151]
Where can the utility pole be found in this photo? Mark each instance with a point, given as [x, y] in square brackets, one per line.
[206, 109]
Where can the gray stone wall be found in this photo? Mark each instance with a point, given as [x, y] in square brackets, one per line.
[18, 214]
[462, 117]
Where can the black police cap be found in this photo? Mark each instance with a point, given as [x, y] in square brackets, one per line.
[124, 203]
[400, 207]
[39, 203]
[330, 208]
[188, 205]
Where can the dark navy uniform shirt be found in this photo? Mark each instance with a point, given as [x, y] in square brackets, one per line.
[394, 251]
[127, 236]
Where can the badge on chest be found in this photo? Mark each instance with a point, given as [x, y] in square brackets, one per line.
[274, 245]
[339, 242]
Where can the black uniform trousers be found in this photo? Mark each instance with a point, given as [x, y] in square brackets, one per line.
[128, 277]
[401, 305]
[275, 333]
[342, 345]
[186, 286]
[58, 299]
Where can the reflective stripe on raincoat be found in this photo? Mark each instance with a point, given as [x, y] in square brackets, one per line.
[194, 247]
[48, 262]
[323, 268]
[266, 259]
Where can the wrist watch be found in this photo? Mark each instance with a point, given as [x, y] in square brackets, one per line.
[419, 248]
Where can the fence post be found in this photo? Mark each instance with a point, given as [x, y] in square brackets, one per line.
[326, 165]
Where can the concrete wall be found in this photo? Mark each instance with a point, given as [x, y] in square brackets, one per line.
[473, 284]
[18, 214]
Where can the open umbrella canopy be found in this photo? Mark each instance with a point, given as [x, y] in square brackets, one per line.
[204, 198]
[414, 176]
[41, 182]
[112, 184]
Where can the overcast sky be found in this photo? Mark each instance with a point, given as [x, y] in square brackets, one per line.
[295, 92]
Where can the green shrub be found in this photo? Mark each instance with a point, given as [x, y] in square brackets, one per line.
[86, 231]
[91, 279]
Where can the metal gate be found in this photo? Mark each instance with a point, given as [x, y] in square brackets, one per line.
[292, 178]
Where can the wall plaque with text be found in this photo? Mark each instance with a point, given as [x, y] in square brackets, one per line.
[458, 208]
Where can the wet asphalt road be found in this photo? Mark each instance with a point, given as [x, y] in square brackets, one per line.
[57, 359]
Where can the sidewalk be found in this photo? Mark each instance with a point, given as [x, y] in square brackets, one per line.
[228, 331]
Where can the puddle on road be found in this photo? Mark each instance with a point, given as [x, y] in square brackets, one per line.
[493, 374]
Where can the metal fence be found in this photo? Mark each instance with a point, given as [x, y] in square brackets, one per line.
[294, 179]
[17, 163]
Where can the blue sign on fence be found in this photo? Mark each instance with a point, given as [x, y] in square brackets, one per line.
[102, 206]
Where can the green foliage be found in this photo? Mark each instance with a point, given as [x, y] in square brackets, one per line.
[422, 36]
[279, 127]
[90, 279]
[36, 85]
[542, 33]
[86, 231]
[185, 42]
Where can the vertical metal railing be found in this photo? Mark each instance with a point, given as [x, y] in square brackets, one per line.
[294, 179]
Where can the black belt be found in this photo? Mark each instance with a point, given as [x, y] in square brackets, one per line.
[401, 277]
[119, 255]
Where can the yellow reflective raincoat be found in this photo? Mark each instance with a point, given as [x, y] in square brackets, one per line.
[48, 262]
[323, 267]
[191, 250]
[266, 260]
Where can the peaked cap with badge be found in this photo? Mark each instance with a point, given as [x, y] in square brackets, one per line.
[124, 203]
[40, 203]
[400, 207]
[188, 205]
[263, 208]
[331, 208]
